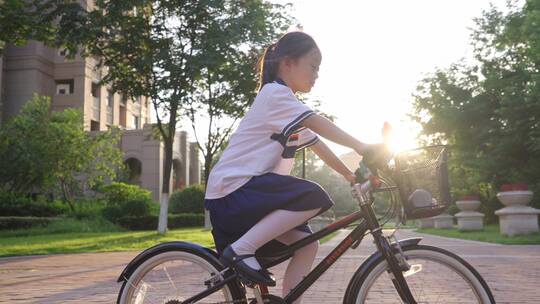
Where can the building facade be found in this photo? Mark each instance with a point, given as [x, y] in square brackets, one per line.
[74, 83]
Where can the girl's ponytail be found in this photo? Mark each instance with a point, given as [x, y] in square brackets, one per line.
[268, 66]
[292, 45]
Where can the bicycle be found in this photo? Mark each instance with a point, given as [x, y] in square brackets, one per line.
[400, 271]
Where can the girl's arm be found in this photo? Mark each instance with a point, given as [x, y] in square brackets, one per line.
[329, 158]
[329, 130]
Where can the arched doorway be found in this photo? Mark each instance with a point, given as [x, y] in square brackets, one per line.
[134, 168]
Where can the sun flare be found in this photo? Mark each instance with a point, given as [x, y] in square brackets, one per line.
[403, 137]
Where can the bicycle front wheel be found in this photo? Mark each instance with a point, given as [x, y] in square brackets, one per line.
[171, 277]
[435, 276]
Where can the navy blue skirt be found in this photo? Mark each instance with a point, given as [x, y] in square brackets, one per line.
[233, 215]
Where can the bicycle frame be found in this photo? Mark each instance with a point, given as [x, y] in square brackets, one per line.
[368, 222]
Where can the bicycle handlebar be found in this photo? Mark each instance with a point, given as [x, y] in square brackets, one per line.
[367, 182]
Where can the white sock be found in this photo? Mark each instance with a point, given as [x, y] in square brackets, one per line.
[245, 247]
[300, 264]
[268, 228]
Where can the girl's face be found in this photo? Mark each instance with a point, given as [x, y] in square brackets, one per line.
[300, 74]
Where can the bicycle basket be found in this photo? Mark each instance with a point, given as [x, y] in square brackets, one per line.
[422, 179]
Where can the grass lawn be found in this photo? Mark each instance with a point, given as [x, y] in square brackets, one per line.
[489, 234]
[98, 241]
[13, 243]
[328, 237]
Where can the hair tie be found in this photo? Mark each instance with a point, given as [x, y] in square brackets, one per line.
[270, 51]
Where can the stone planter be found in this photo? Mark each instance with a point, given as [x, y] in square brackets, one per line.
[443, 221]
[517, 218]
[468, 205]
[425, 223]
[469, 219]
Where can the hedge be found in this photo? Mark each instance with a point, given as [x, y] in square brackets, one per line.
[20, 206]
[23, 222]
[125, 200]
[150, 222]
[187, 200]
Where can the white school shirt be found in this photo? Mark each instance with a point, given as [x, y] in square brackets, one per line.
[266, 140]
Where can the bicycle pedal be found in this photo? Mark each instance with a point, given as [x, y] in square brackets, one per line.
[247, 282]
[216, 278]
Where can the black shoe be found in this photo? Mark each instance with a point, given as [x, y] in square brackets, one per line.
[261, 276]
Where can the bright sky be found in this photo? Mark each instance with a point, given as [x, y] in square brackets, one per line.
[376, 52]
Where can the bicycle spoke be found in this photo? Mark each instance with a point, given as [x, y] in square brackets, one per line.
[169, 277]
[443, 279]
[174, 276]
[422, 290]
[144, 296]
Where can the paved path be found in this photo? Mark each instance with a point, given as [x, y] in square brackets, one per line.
[512, 272]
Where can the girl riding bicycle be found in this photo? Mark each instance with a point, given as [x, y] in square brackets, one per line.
[251, 196]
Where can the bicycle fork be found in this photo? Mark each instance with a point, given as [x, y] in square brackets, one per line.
[395, 269]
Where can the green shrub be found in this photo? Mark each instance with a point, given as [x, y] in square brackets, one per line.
[112, 213]
[119, 193]
[188, 200]
[154, 209]
[125, 200]
[13, 205]
[185, 220]
[65, 225]
[488, 208]
[150, 222]
[23, 222]
[69, 225]
[87, 209]
[453, 209]
[138, 207]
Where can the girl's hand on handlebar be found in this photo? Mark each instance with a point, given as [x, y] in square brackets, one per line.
[351, 178]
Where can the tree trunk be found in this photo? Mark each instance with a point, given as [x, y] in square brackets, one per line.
[163, 211]
[207, 164]
[66, 196]
[164, 204]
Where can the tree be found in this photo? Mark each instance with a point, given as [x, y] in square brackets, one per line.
[177, 53]
[42, 20]
[227, 84]
[44, 151]
[488, 111]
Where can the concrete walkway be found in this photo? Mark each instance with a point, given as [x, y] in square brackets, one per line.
[512, 272]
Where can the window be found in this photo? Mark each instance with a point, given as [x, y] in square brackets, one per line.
[135, 122]
[122, 116]
[64, 87]
[96, 101]
[95, 90]
[94, 125]
[110, 99]
[123, 100]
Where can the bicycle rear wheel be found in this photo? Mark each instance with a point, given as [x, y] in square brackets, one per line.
[436, 276]
[170, 278]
